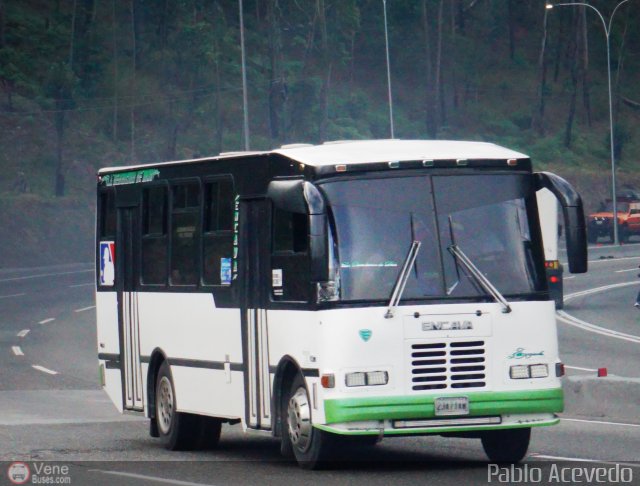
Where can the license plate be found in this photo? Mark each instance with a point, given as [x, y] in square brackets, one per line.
[598, 222]
[452, 406]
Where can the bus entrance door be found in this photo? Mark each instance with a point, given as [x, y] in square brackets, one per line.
[254, 263]
[128, 315]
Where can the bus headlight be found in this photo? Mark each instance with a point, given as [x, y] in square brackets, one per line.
[377, 378]
[370, 378]
[539, 371]
[522, 372]
[355, 379]
[519, 372]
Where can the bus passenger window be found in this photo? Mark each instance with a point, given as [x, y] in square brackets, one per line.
[185, 215]
[107, 214]
[218, 232]
[290, 257]
[154, 236]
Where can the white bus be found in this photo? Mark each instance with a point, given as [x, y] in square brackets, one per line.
[333, 294]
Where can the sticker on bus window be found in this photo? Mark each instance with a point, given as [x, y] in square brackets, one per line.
[225, 271]
[276, 277]
[107, 263]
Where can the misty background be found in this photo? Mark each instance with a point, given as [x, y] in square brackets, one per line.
[86, 84]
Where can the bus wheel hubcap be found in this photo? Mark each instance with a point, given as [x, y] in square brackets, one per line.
[165, 405]
[299, 420]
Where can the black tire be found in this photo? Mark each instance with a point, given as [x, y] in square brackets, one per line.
[310, 446]
[506, 446]
[177, 431]
[208, 432]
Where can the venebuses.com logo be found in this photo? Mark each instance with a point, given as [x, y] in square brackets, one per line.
[18, 473]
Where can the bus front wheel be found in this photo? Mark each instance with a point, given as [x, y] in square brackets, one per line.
[310, 446]
[506, 446]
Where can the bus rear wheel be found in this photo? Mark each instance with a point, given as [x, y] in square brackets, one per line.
[177, 431]
[310, 446]
[506, 446]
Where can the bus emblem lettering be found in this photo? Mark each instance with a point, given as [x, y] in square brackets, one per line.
[447, 325]
[365, 334]
[520, 353]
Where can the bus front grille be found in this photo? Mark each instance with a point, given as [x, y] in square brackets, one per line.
[455, 365]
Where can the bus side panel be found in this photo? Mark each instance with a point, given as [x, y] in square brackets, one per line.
[109, 344]
[203, 345]
[298, 334]
[209, 392]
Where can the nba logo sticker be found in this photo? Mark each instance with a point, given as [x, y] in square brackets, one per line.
[107, 263]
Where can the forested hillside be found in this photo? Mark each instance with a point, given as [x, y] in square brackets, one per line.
[90, 83]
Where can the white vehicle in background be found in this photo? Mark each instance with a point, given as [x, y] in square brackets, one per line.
[333, 294]
[548, 209]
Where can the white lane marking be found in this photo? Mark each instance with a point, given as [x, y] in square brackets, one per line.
[573, 321]
[23, 333]
[569, 278]
[49, 319]
[627, 270]
[601, 260]
[82, 285]
[17, 351]
[44, 370]
[579, 368]
[27, 277]
[85, 308]
[12, 295]
[578, 459]
[600, 422]
[599, 289]
[149, 478]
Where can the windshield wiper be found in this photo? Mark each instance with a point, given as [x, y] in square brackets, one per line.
[483, 281]
[403, 276]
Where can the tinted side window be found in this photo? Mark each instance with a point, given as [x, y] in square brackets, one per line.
[218, 232]
[290, 231]
[154, 235]
[290, 260]
[107, 214]
[155, 210]
[185, 218]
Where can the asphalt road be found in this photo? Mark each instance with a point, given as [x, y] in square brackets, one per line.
[599, 327]
[64, 417]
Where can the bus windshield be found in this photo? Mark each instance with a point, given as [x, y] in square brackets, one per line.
[486, 216]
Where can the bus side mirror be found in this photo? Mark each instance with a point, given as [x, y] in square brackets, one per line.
[299, 196]
[318, 250]
[573, 212]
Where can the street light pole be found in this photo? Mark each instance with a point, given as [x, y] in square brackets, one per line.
[607, 32]
[386, 43]
[245, 108]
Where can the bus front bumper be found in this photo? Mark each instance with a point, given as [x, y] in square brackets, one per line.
[416, 414]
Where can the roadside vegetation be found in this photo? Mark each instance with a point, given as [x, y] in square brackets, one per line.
[86, 84]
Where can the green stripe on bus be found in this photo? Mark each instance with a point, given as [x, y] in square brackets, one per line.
[414, 407]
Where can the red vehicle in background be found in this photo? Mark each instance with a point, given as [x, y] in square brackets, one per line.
[600, 223]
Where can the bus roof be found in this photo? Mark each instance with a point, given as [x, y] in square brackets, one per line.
[368, 151]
